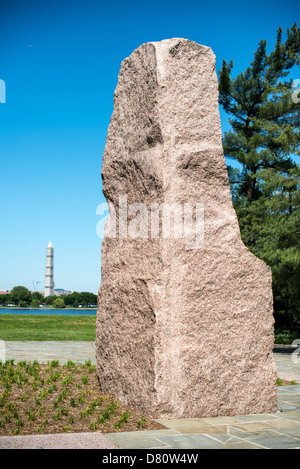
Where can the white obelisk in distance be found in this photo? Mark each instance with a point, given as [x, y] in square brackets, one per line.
[49, 283]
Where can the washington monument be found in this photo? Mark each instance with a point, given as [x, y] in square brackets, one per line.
[49, 283]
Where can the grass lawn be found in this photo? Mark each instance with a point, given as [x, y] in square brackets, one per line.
[35, 327]
[55, 399]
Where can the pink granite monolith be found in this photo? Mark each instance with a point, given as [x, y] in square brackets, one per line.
[185, 319]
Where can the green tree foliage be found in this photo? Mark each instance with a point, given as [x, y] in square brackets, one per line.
[49, 300]
[5, 299]
[23, 304]
[35, 303]
[20, 295]
[264, 136]
[37, 296]
[59, 303]
[83, 298]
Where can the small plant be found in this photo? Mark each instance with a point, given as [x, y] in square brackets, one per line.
[67, 380]
[141, 422]
[57, 416]
[54, 364]
[65, 411]
[93, 425]
[81, 399]
[105, 415]
[52, 389]
[53, 377]
[40, 429]
[22, 364]
[96, 403]
[70, 365]
[7, 387]
[293, 382]
[2, 400]
[71, 420]
[279, 382]
[43, 394]
[19, 422]
[101, 420]
[37, 401]
[66, 428]
[84, 380]
[24, 397]
[31, 416]
[89, 410]
[112, 407]
[123, 419]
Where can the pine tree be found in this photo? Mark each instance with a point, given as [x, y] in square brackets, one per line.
[265, 135]
[272, 223]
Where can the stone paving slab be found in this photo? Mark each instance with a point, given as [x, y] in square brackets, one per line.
[242, 435]
[44, 351]
[286, 368]
[59, 441]
[277, 442]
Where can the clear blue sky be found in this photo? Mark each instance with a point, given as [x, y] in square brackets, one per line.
[60, 61]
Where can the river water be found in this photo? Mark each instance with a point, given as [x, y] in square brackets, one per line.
[50, 312]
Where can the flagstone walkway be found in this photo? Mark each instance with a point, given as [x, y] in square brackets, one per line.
[63, 351]
[271, 431]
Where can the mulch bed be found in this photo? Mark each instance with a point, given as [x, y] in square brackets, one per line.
[45, 399]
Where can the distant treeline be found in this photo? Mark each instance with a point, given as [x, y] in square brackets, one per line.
[23, 298]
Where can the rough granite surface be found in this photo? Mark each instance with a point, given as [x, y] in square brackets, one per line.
[180, 332]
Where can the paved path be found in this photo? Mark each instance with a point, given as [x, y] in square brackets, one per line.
[59, 441]
[63, 351]
[271, 431]
[286, 367]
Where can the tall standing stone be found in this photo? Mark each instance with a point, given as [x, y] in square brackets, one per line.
[182, 331]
